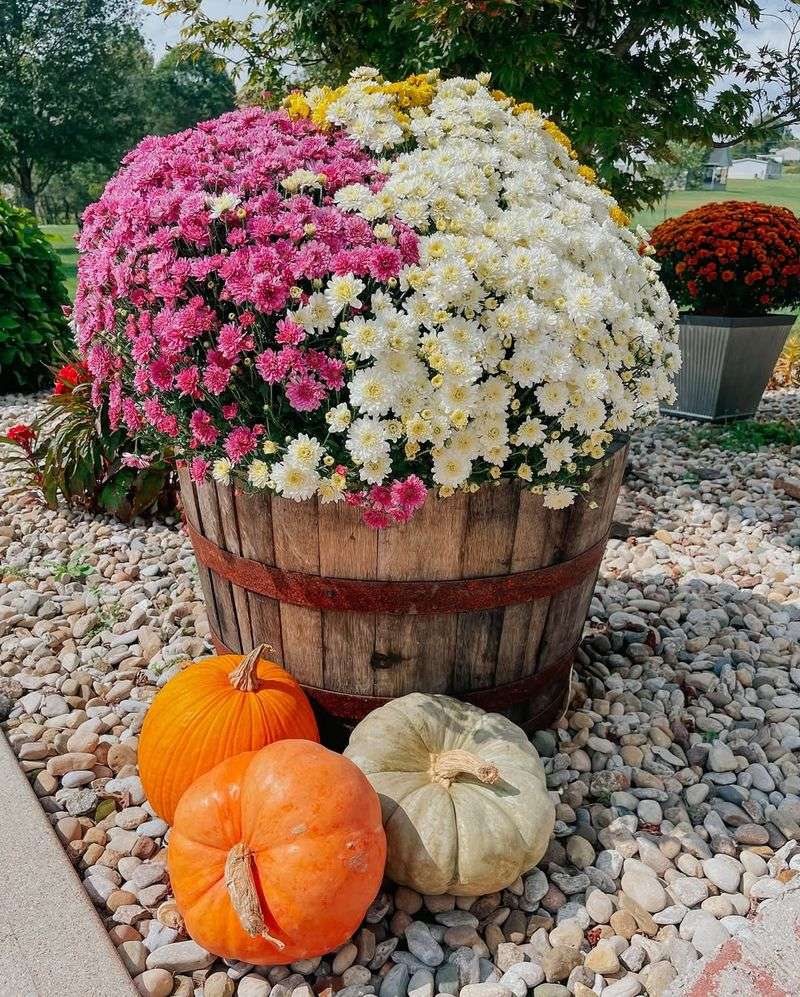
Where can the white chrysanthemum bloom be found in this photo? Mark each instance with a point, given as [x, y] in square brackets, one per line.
[221, 471]
[558, 497]
[553, 397]
[452, 468]
[316, 314]
[375, 469]
[367, 439]
[219, 204]
[331, 489]
[556, 454]
[370, 391]
[343, 291]
[294, 481]
[305, 450]
[338, 418]
[353, 197]
[299, 179]
[258, 474]
[531, 433]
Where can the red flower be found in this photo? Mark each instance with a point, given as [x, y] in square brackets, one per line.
[22, 435]
[68, 377]
[719, 257]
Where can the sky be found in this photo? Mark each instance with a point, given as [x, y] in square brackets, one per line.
[163, 33]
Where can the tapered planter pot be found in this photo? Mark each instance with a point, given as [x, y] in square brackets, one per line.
[727, 363]
[481, 596]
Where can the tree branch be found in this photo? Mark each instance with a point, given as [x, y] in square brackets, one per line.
[629, 36]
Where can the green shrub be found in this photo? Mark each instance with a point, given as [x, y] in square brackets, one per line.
[32, 298]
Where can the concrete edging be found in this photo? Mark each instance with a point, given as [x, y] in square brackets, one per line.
[52, 941]
[763, 961]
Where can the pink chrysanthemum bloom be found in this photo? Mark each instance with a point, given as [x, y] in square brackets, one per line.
[409, 494]
[305, 394]
[240, 442]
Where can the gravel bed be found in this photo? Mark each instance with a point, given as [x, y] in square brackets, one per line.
[676, 771]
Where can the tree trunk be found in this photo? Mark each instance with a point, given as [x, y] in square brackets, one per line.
[26, 191]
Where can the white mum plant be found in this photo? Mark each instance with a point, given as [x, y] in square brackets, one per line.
[534, 324]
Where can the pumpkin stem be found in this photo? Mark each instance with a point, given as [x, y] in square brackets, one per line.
[447, 766]
[243, 677]
[243, 895]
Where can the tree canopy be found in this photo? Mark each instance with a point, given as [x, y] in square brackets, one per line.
[68, 88]
[187, 87]
[623, 78]
[78, 88]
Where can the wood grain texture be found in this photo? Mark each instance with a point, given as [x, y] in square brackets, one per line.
[192, 513]
[348, 548]
[537, 536]
[487, 549]
[567, 610]
[230, 531]
[211, 527]
[418, 652]
[295, 536]
[254, 519]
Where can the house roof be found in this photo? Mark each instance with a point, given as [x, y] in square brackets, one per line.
[719, 157]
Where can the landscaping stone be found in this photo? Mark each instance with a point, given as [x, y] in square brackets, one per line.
[675, 772]
[154, 983]
[180, 957]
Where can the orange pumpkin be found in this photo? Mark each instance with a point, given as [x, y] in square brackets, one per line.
[276, 855]
[216, 708]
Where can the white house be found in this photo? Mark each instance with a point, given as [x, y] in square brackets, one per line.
[789, 154]
[754, 168]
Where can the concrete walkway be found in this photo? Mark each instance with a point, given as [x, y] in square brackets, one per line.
[52, 943]
[761, 962]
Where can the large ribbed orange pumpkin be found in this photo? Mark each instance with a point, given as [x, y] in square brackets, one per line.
[276, 855]
[214, 709]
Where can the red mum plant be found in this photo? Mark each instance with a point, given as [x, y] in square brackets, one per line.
[731, 258]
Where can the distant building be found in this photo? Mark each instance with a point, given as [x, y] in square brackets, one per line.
[714, 173]
[789, 154]
[755, 168]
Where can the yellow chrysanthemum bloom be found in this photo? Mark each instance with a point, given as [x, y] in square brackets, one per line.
[319, 113]
[414, 91]
[297, 105]
[555, 132]
[619, 216]
[588, 174]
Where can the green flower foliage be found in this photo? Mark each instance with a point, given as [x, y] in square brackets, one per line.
[32, 294]
[71, 454]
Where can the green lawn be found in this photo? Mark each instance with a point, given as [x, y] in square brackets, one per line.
[63, 239]
[785, 191]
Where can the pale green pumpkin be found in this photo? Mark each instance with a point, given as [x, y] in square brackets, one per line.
[463, 794]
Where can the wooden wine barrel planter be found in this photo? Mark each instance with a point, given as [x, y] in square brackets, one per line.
[481, 596]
